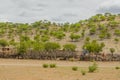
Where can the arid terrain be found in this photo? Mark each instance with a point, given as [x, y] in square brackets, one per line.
[96, 38]
[60, 40]
[12, 69]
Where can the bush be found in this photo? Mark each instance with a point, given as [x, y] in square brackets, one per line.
[93, 46]
[102, 36]
[108, 35]
[112, 50]
[116, 40]
[117, 32]
[92, 30]
[69, 47]
[117, 67]
[83, 72]
[74, 37]
[93, 67]
[51, 46]
[87, 39]
[45, 65]
[74, 68]
[52, 65]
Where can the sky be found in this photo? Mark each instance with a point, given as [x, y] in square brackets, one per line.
[59, 11]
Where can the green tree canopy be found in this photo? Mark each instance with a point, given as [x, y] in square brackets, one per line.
[69, 47]
[52, 46]
[22, 48]
[94, 46]
[38, 46]
[112, 50]
[74, 37]
[3, 43]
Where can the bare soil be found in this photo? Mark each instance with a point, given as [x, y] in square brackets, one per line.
[13, 69]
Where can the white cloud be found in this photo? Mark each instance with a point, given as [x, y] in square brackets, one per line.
[53, 10]
[112, 6]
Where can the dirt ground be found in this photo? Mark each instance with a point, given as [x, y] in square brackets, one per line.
[11, 69]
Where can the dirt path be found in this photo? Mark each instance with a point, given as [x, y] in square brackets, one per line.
[35, 63]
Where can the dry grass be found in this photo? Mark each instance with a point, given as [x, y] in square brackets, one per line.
[33, 70]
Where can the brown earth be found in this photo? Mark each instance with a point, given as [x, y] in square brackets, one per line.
[11, 69]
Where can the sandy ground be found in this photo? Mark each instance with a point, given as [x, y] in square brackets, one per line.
[11, 69]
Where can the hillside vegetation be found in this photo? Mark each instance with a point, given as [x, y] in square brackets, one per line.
[101, 31]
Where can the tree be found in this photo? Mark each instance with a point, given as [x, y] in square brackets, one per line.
[113, 24]
[92, 30]
[117, 32]
[107, 14]
[94, 47]
[24, 38]
[102, 36]
[3, 43]
[45, 38]
[37, 50]
[51, 46]
[87, 39]
[69, 47]
[38, 46]
[74, 37]
[112, 50]
[12, 42]
[37, 37]
[83, 33]
[75, 27]
[59, 34]
[22, 49]
[108, 35]
[66, 27]
[116, 40]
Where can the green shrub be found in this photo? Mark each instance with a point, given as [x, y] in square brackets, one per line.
[92, 30]
[45, 65]
[87, 39]
[69, 47]
[117, 67]
[117, 32]
[52, 65]
[102, 36]
[74, 37]
[93, 67]
[116, 40]
[74, 68]
[83, 72]
[108, 35]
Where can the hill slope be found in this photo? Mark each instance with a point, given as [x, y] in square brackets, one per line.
[101, 27]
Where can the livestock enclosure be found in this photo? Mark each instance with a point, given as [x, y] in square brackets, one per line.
[7, 52]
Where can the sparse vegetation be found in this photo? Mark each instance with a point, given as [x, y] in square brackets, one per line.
[45, 65]
[74, 37]
[3, 43]
[69, 47]
[93, 67]
[83, 72]
[47, 40]
[75, 68]
[52, 65]
[116, 40]
[112, 50]
[117, 67]
[94, 47]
